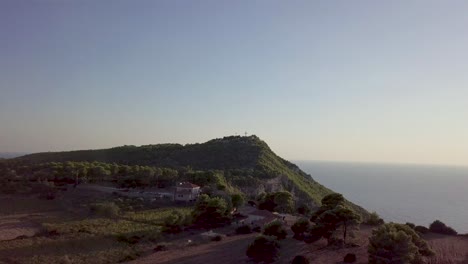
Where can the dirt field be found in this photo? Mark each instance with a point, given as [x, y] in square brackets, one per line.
[450, 250]
[83, 240]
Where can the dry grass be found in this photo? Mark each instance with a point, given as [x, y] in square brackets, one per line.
[76, 238]
[448, 249]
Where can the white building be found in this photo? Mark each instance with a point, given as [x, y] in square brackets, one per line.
[187, 192]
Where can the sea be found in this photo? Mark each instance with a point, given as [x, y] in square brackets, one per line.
[418, 194]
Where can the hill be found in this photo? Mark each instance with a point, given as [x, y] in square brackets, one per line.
[245, 163]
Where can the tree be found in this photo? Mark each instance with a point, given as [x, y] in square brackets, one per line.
[301, 226]
[441, 228]
[303, 209]
[210, 212]
[237, 200]
[263, 249]
[345, 216]
[278, 201]
[374, 219]
[275, 229]
[397, 243]
[174, 222]
[284, 202]
[334, 214]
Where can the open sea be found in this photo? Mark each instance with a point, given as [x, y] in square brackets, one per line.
[400, 193]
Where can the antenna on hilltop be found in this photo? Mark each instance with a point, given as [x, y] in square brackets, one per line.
[245, 133]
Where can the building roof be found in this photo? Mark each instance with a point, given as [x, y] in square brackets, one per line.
[185, 191]
[187, 185]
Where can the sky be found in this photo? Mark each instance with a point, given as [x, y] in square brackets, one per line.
[370, 81]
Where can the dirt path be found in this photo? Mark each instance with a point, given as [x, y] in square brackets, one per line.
[229, 250]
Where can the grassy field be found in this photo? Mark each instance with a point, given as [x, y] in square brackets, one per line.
[67, 233]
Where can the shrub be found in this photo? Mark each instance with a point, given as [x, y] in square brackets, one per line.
[349, 258]
[440, 228]
[160, 248]
[217, 238]
[243, 229]
[237, 200]
[303, 210]
[263, 249]
[128, 239]
[315, 232]
[396, 243]
[411, 225]
[300, 260]
[275, 229]
[174, 222]
[374, 219]
[105, 209]
[211, 212]
[300, 227]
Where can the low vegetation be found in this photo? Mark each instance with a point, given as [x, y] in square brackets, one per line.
[275, 229]
[397, 243]
[441, 228]
[263, 249]
[332, 215]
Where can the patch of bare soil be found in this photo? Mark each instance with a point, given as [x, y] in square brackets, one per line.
[14, 226]
[232, 250]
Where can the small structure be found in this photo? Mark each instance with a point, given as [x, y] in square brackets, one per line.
[186, 192]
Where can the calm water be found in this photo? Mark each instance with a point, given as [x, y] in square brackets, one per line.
[400, 193]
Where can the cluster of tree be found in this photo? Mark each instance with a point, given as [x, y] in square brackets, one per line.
[333, 214]
[397, 243]
[242, 161]
[265, 248]
[374, 219]
[70, 172]
[441, 228]
[124, 175]
[211, 212]
[282, 202]
[175, 222]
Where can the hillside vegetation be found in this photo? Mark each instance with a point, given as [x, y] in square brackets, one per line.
[240, 163]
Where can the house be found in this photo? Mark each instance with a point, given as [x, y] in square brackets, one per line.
[186, 192]
[256, 217]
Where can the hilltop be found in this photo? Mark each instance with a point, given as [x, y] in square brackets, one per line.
[244, 163]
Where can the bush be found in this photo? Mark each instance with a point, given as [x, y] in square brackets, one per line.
[244, 229]
[303, 210]
[263, 249]
[275, 229]
[440, 228]
[211, 212]
[237, 200]
[411, 225]
[174, 222]
[397, 243]
[349, 258]
[300, 227]
[160, 248]
[300, 260]
[128, 239]
[217, 238]
[374, 219]
[105, 209]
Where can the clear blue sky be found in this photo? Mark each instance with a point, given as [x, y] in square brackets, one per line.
[324, 80]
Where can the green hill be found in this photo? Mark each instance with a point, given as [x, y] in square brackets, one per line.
[244, 163]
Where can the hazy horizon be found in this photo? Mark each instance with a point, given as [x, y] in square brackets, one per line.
[359, 81]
